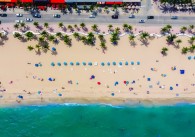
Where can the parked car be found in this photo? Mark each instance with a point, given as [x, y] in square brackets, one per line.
[56, 15]
[150, 17]
[29, 20]
[142, 21]
[114, 16]
[92, 16]
[174, 17]
[19, 15]
[3, 15]
[131, 16]
[19, 21]
[36, 15]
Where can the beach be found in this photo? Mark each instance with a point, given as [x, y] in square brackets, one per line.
[149, 80]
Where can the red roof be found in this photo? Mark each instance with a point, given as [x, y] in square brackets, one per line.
[112, 3]
[57, 1]
[27, 1]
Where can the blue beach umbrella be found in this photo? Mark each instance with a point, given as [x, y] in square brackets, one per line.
[194, 57]
[189, 57]
[84, 63]
[138, 63]
[126, 63]
[120, 63]
[71, 63]
[90, 63]
[65, 63]
[53, 49]
[116, 83]
[59, 64]
[77, 63]
[36, 65]
[108, 63]
[132, 63]
[20, 97]
[60, 94]
[112, 94]
[52, 64]
[114, 63]
[50, 79]
[102, 64]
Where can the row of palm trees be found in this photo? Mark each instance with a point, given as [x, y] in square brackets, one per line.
[183, 29]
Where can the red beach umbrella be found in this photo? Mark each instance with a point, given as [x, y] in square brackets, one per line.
[99, 83]
[125, 82]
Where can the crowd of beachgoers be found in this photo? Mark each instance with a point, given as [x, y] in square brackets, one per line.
[143, 68]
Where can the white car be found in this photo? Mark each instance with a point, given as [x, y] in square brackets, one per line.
[131, 16]
[19, 21]
[92, 16]
[19, 15]
[29, 20]
[142, 21]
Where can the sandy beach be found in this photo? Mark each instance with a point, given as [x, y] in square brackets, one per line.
[151, 81]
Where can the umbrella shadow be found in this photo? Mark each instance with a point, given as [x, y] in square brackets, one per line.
[54, 53]
[64, 29]
[51, 29]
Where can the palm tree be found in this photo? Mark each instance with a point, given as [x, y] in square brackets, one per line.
[101, 37]
[83, 38]
[192, 39]
[41, 39]
[106, 9]
[130, 27]
[30, 48]
[61, 25]
[76, 35]
[22, 24]
[36, 24]
[114, 7]
[131, 38]
[171, 38]
[191, 27]
[192, 48]
[110, 27]
[82, 25]
[184, 50]
[46, 25]
[117, 30]
[144, 36]
[125, 27]
[164, 30]
[70, 27]
[16, 26]
[103, 45]
[164, 51]
[59, 34]
[94, 27]
[75, 25]
[67, 40]
[183, 29]
[44, 33]
[51, 37]
[17, 35]
[29, 35]
[178, 41]
[38, 47]
[169, 27]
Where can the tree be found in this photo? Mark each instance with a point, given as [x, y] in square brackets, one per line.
[16, 26]
[38, 47]
[144, 36]
[44, 33]
[36, 24]
[117, 30]
[183, 29]
[59, 34]
[101, 37]
[191, 27]
[169, 27]
[29, 35]
[46, 25]
[51, 37]
[184, 50]
[171, 38]
[94, 27]
[191, 40]
[76, 35]
[67, 40]
[30, 48]
[125, 27]
[164, 30]
[82, 25]
[131, 38]
[178, 41]
[41, 39]
[17, 35]
[164, 51]
[130, 27]
[75, 25]
[110, 27]
[61, 25]
[103, 45]
[22, 24]
[192, 48]
[114, 7]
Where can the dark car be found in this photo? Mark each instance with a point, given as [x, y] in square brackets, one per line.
[36, 15]
[56, 15]
[3, 15]
[114, 16]
[150, 17]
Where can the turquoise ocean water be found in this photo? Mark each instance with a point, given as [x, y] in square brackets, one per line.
[97, 121]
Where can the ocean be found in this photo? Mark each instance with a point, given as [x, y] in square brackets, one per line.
[74, 120]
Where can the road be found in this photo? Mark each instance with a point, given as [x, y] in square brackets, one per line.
[105, 19]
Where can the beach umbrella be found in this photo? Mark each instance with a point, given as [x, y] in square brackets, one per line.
[124, 82]
[53, 49]
[71, 63]
[52, 64]
[108, 63]
[189, 57]
[60, 94]
[77, 63]
[116, 83]
[99, 83]
[171, 88]
[36, 65]
[132, 63]
[84, 63]
[65, 64]
[59, 64]
[112, 94]
[92, 77]
[126, 63]
[40, 64]
[90, 63]
[120, 63]
[127, 82]
[138, 63]
[50, 79]
[194, 57]
[20, 97]
[114, 63]
[102, 64]
[39, 92]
